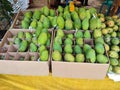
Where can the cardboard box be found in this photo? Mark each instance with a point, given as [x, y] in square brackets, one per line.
[79, 70]
[84, 70]
[21, 63]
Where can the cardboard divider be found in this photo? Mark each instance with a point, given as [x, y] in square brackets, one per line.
[10, 56]
[13, 48]
[8, 39]
[2, 56]
[32, 56]
[20, 56]
[4, 49]
[89, 41]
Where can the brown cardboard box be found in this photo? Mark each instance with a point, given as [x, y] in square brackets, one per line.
[84, 70]
[79, 70]
[21, 63]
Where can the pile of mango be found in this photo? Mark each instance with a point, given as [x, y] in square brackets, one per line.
[72, 48]
[34, 42]
[80, 18]
[39, 18]
[111, 34]
[104, 30]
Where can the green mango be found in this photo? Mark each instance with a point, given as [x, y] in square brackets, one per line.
[93, 10]
[24, 24]
[79, 58]
[38, 31]
[79, 34]
[77, 49]
[99, 24]
[34, 40]
[33, 24]
[115, 41]
[68, 41]
[68, 48]
[44, 55]
[41, 48]
[48, 43]
[42, 39]
[28, 14]
[60, 22]
[110, 68]
[79, 41]
[60, 9]
[85, 24]
[93, 23]
[60, 33]
[86, 48]
[17, 41]
[77, 24]
[52, 12]
[74, 15]
[46, 23]
[36, 14]
[33, 47]
[27, 20]
[28, 36]
[113, 54]
[23, 46]
[115, 48]
[102, 58]
[39, 25]
[99, 40]
[87, 35]
[69, 57]
[97, 33]
[82, 14]
[20, 35]
[46, 11]
[42, 18]
[54, 22]
[68, 24]
[91, 56]
[58, 40]
[99, 48]
[70, 36]
[88, 14]
[113, 61]
[116, 69]
[67, 15]
[57, 46]
[56, 56]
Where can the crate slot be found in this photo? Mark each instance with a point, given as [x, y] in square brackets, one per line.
[13, 48]
[10, 56]
[20, 56]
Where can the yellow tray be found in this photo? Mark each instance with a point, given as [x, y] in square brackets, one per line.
[14, 82]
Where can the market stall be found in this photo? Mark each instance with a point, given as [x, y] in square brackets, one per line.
[65, 48]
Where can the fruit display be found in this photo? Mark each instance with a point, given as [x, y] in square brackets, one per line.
[37, 43]
[62, 18]
[72, 47]
[80, 19]
[80, 36]
[110, 33]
